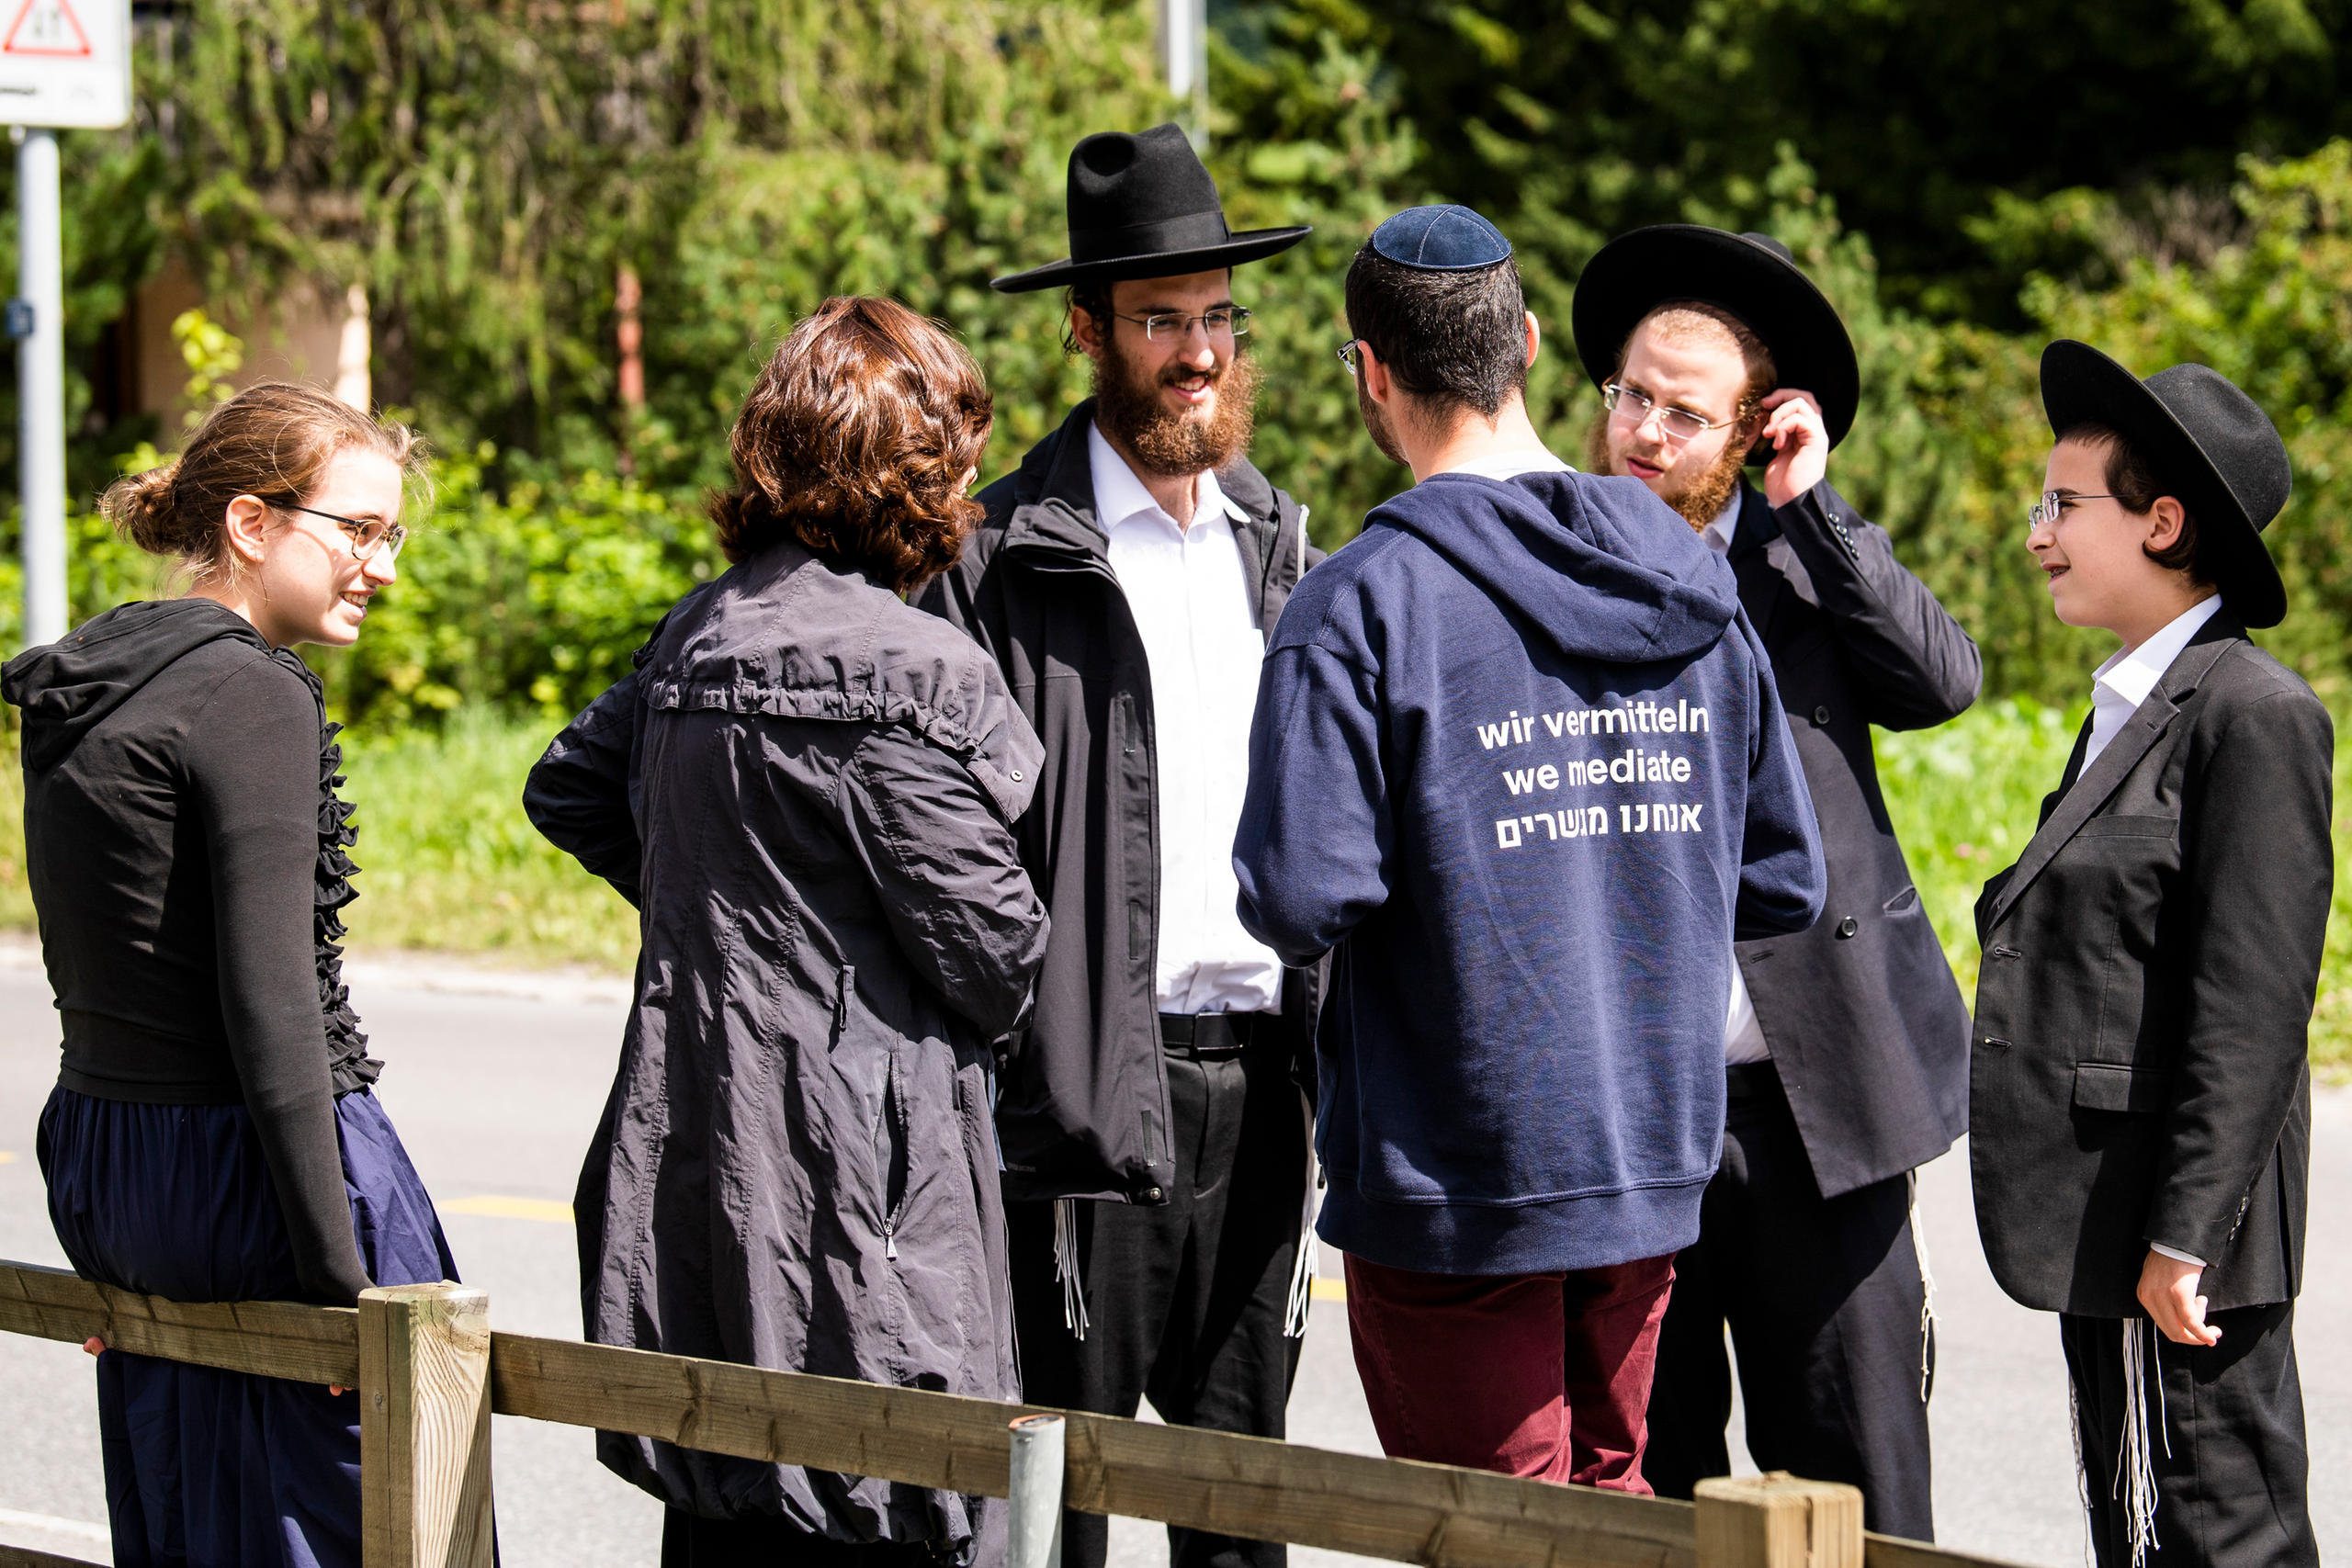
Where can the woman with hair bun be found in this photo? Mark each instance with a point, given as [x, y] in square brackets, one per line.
[807, 789]
[213, 1136]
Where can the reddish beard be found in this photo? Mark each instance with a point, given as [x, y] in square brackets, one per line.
[1168, 442]
[1699, 501]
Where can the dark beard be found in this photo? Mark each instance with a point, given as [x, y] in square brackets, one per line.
[1171, 445]
[1376, 421]
[1701, 501]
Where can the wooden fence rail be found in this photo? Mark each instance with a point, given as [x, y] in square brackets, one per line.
[430, 1372]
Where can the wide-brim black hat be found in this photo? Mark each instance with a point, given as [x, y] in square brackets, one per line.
[1751, 275]
[2210, 445]
[1143, 206]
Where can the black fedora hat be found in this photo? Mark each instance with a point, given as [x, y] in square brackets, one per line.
[1143, 206]
[1751, 275]
[2210, 445]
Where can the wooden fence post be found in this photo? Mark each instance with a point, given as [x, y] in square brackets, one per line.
[425, 1426]
[1778, 1521]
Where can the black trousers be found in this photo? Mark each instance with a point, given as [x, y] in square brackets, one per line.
[688, 1540]
[1185, 1302]
[1822, 1299]
[2232, 1468]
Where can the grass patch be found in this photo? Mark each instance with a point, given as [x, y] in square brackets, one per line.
[450, 864]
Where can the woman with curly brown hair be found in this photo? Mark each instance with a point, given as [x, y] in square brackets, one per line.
[807, 787]
[213, 1136]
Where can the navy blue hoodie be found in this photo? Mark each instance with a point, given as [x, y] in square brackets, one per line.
[1519, 765]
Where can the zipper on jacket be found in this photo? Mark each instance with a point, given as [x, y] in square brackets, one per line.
[897, 1157]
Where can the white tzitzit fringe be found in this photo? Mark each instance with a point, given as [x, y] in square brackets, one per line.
[2135, 1464]
[1927, 1292]
[1066, 1266]
[1302, 1274]
[2082, 1473]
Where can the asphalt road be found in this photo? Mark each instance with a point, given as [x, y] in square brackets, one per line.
[497, 1094]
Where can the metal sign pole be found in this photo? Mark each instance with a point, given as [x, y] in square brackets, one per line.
[40, 385]
[62, 63]
[1183, 48]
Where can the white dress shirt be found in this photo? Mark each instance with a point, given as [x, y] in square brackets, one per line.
[1743, 1035]
[2117, 688]
[1200, 643]
[2123, 682]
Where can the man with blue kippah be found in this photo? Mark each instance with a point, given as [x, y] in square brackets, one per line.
[1520, 768]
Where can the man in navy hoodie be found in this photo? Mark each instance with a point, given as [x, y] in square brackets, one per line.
[1519, 765]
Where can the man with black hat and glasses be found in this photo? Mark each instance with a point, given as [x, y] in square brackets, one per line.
[1845, 1045]
[2140, 1096]
[1125, 576]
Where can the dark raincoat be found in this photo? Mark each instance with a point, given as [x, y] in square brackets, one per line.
[808, 790]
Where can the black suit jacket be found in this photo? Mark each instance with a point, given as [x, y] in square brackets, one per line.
[1862, 1013]
[2139, 1072]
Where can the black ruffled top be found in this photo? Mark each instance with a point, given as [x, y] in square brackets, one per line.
[346, 1046]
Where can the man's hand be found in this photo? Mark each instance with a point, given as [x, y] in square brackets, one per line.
[1800, 446]
[2168, 1289]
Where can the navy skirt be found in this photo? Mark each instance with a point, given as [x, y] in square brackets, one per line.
[206, 1467]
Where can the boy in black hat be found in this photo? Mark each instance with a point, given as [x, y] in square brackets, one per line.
[2140, 1100]
[1125, 576]
[1519, 767]
[1845, 1046]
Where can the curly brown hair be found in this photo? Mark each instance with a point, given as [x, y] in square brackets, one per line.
[858, 440]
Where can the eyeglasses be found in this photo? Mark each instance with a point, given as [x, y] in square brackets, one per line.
[1347, 353]
[368, 536]
[2045, 512]
[1226, 320]
[1634, 407]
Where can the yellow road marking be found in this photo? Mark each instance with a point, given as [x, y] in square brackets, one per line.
[497, 1207]
[1329, 1290]
[6, 1158]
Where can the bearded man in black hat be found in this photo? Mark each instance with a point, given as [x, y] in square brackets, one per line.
[1844, 1046]
[1126, 576]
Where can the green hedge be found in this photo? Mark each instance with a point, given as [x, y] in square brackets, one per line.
[531, 583]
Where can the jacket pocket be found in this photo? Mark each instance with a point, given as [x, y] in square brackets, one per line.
[2112, 1085]
[867, 1058]
[2129, 827]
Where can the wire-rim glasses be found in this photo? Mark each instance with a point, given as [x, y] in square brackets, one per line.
[2045, 512]
[1633, 405]
[1347, 353]
[1225, 321]
[368, 535]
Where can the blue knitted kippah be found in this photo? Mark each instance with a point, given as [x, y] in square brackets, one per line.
[1440, 239]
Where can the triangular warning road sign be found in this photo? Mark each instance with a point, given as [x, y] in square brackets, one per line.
[46, 26]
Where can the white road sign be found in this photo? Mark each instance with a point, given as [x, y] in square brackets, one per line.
[65, 63]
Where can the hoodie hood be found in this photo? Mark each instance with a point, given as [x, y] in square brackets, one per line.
[67, 687]
[1599, 569]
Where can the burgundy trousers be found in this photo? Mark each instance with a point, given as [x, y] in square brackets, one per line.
[1545, 1376]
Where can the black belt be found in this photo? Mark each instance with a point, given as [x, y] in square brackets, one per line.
[1746, 1082]
[1214, 1036]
